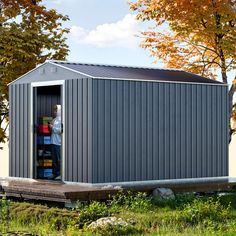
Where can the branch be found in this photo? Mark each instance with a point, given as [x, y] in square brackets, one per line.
[204, 23]
[203, 46]
[4, 113]
[206, 63]
[231, 62]
[6, 127]
[232, 90]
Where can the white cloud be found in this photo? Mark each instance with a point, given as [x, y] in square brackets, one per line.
[119, 34]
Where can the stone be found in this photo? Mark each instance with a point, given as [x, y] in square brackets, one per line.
[163, 193]
[109, 186]
[118, 187]
[107, 221]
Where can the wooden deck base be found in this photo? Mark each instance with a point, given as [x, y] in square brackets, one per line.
[52, 191]
[60, 192]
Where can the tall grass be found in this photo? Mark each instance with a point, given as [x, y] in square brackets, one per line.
[184, 215]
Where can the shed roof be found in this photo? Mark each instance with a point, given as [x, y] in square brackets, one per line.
[137, 73]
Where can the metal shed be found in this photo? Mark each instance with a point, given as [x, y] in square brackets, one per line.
[122, 123]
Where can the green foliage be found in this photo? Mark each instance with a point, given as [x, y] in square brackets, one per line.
[184, 215]
[228, 199]
[4, 209]
[92, 212]
[3, 117]
[179, 201]
[29, 34]
[26, 214]
[131, 201]
[203, 211]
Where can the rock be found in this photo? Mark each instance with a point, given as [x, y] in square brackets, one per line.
[118, 187]
[109, 186]
[107, 221]
[164, 193]
[132, 221]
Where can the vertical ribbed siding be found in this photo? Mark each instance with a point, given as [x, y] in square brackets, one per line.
[11, 130]
[20, 130]
[46, 103]
[146, 130]
[78, 130]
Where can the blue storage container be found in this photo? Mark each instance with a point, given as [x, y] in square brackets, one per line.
[47, 140]
[44, 173]
[44, 140]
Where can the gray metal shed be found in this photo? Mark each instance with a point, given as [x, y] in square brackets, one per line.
[122, 123]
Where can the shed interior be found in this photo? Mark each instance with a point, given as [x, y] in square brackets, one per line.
[45, 98]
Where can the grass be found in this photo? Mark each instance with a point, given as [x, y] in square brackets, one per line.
[185, 215]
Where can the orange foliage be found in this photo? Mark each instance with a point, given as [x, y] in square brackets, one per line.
[200, 35]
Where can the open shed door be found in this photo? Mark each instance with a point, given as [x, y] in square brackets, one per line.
[44, 100]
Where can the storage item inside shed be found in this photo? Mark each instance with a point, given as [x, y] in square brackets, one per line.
[43, 140]
[44, 173]
[44, 153]
[44, 120]
[43, 129]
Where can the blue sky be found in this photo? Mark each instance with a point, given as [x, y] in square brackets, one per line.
[103, 32]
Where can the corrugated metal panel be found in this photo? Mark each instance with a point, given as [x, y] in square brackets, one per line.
[11, 129]
[145, 130]
[47, 98]
[20, 130]
[78, 128]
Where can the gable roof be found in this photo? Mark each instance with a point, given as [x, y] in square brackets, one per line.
[137, 73]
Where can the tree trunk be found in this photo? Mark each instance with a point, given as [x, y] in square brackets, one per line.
[231, 96]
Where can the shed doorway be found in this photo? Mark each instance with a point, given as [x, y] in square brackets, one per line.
[47, 138]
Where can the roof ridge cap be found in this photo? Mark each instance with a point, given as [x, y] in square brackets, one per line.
[113, 65]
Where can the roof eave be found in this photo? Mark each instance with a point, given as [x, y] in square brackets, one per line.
[160, 81]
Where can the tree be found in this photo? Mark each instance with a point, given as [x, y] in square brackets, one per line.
[29, 35]
[199, 36]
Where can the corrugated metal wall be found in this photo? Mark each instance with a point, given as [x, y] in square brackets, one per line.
[78, 127]
[47, 98]
[20, 130]
[148, 130]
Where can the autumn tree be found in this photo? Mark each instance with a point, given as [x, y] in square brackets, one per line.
[29, 35]
[195, 35]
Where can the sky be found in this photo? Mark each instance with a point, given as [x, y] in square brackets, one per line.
[103, 32]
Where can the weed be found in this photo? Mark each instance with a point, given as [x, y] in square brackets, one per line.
[202, 211]
[92, 212]
[228, 199]
[179, 201]
[4, 212]
[26, 213]
[131, 201]
[4, 209]
[184, 215]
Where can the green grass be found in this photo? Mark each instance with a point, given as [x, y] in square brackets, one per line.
[185, 215]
